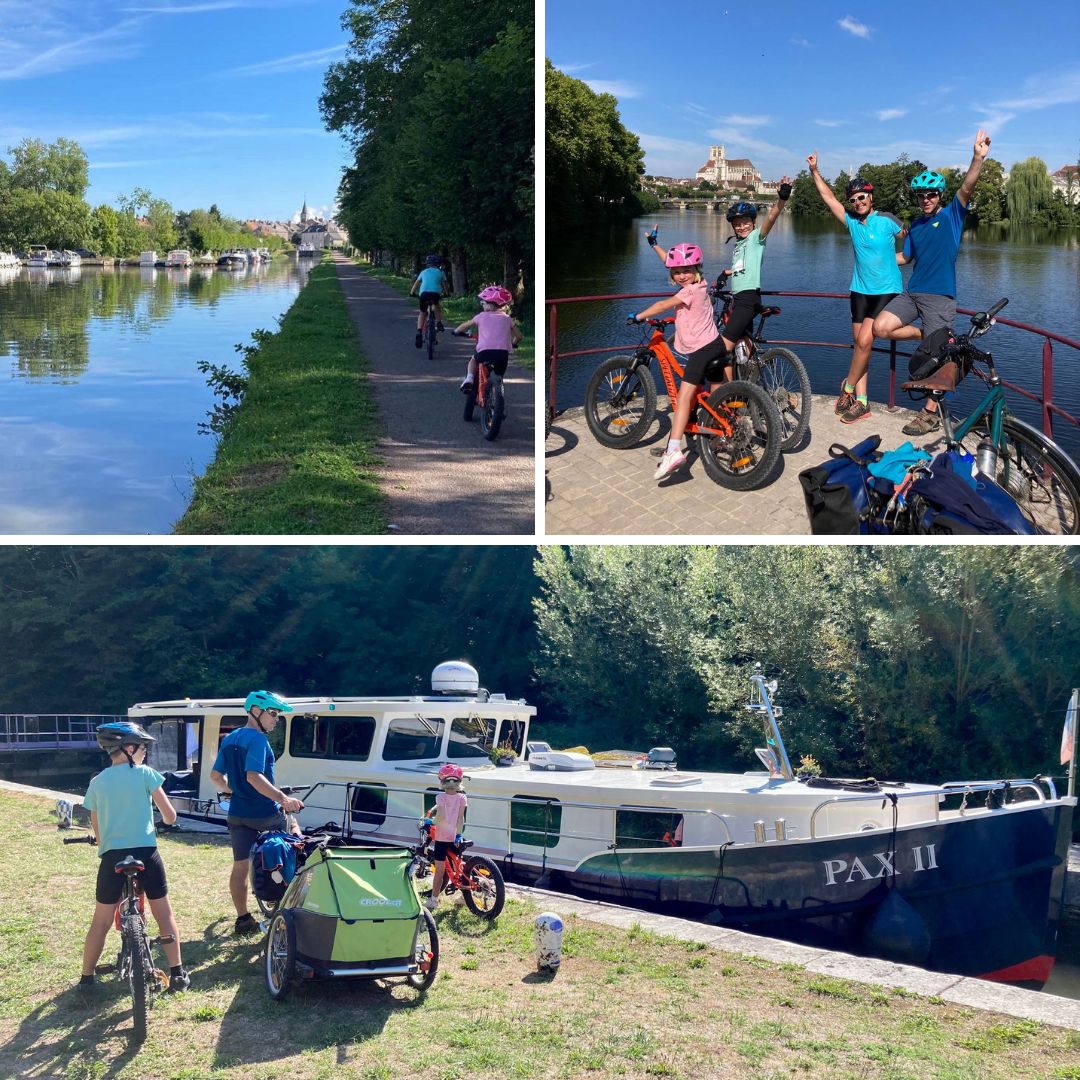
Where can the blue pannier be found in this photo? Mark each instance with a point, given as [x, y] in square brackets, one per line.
[842, 498]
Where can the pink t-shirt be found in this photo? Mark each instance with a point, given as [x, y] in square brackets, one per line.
[452, 809]
[694, 324]
[493, 331]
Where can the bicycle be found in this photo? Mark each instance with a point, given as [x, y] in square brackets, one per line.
[1032, 468]
[486, 390]
[431, 333]
[135, 961]
[476, 877]
[778, 371]
[737, 425]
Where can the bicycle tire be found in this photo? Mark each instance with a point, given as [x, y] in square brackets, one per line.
[425, 951]
[782, 375]
[431, 338]
[1037, 473]
[486, 891]
[494, 410]
[138, 976]
[279, 955]
[746, 458]
[470, 402]
[620, 402]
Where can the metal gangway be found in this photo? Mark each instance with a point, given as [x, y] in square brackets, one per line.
[51, 731]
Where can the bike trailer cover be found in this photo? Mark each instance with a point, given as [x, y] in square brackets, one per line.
[272, 852]
[842, 498]
[947, 502]
[354, 906]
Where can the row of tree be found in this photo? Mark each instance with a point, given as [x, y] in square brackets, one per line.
[436, 101]
[42, 201]
[899, 662]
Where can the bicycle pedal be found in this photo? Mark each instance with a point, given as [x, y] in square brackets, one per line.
[170, 940]
[104, 969]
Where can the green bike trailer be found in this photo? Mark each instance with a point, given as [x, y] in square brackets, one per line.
[351, 912]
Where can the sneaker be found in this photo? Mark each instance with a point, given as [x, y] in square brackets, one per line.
[923, 424]
[246, 924]
[857, 412]
[466, 385]
[845, 400]
[178, 982]
[439, 326]
[671, 460]
[431, 903]
[419, 338]
[88, 990]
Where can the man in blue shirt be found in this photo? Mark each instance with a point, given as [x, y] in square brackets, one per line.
[933, 242]
[244, 769]
[432, 283]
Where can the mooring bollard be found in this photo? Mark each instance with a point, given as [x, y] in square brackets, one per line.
[549, 933]
[63, 813]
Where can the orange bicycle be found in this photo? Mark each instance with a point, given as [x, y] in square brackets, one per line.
[736, 426]
[476, 877]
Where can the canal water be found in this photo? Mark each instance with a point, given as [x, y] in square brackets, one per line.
[102, 395]
[1038, 270]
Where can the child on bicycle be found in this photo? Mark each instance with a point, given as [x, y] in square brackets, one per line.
[432, 283]
[496, 333]
[119, 801]
[447, 817]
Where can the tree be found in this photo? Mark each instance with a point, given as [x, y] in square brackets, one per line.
[105, 230]
[60, 166]
[1029, 193]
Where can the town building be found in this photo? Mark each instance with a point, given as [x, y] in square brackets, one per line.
[1067, 181]
[731, 173]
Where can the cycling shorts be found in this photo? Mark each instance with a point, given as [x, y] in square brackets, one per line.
[110, 884]
[741, 319]
[497, 358]
[243, 830]
[700, 359]
[865, 306]
[428, 298]
[933, 310]
[441, 847]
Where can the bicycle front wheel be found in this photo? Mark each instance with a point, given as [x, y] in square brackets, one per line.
[1037, 473]
[494, 410]
[138, 976]
[782, 375]
[620, 402]
[742, 444]
[484, 891]
[431, 340]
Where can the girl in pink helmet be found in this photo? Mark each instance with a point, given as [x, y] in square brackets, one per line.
[496, 333]
[447, 816]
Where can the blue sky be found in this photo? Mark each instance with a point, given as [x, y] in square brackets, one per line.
[199, 101]
[857, 82]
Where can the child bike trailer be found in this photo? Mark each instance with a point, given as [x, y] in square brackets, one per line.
[351, 912]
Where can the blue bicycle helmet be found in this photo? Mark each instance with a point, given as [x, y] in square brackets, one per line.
[266, 699]
[928, 180]
[742, 209]
[120, 734]
[434, 260]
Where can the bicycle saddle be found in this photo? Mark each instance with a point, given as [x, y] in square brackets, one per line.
[942, 381]
[464, 845]
[129, 864]
[760, 309]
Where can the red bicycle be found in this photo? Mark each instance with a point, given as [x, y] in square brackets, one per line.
[476, 877]
[486, 390]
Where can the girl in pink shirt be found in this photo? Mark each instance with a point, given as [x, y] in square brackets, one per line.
[496, 333]
[448, 816]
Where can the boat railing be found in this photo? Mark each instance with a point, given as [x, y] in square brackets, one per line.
[949, 790]
[50, 731]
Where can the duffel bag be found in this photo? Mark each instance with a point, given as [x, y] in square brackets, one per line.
[842, 498]
[273, 863]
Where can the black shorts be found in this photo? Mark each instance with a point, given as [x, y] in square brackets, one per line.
[700, 359]
[110, 884]
[864, 306]
[429, 298]
[243, 830]
[440, 849]
[497, 358]
[741, 318]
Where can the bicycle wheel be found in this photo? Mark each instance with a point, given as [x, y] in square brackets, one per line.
[744, 453]
[1037, 473]
[425, 952]
[430, 336]
[484, 891]
[620, 402]
[494, 410]
[782, 375]
[470, 402]
[279, 959]
[138, 976]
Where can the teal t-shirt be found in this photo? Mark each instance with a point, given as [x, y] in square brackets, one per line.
[746, 262]
[874, 240]
[120, 796]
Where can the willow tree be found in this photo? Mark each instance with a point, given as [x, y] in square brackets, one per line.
[1029, 190]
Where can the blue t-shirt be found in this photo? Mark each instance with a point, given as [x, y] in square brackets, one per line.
[242, 751]
[120, 796]
[934, 242]
[874, 240]
[432, 280]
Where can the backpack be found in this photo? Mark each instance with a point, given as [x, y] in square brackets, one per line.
[273, 863]
[842, 498]
[929, 356]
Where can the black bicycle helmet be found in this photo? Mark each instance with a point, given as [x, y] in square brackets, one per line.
[856, 185]
[121, 734]
[742, 209]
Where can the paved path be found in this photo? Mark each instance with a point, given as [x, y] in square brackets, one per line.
[440, 475]
[591, 490]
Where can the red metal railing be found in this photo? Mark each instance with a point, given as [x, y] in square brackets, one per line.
[1045, 398]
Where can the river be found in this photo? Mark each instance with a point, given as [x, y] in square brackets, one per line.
[1038, 270]
[103, 398]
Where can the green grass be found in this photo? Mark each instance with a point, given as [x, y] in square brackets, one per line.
[625, 1003]
[298, 455]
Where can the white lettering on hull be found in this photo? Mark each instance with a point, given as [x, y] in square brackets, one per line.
[844, 871]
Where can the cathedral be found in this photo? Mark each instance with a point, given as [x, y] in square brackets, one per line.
[727, 172]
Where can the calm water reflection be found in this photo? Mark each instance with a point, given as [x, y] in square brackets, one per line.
[1038, 270]
[102, 400]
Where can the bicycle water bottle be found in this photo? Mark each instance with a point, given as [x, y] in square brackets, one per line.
[986, 457]
[741, 351]
[549, 934]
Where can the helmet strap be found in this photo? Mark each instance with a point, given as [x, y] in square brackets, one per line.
[258, 722]
[129, 756]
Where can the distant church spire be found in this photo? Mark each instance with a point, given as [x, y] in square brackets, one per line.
[304, 213]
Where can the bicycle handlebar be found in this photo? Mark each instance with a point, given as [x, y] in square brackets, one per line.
[88, 839]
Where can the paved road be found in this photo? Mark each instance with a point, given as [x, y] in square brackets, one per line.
[591, 490]
[440, 475]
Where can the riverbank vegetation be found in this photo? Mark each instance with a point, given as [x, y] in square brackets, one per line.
[436, 102]
[297, 454]
[626, 1002]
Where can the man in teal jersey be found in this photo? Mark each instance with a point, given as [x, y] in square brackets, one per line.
[433, 286]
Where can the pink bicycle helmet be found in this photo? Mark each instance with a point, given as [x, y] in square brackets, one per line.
[451, 772]
[496, 294]
[683, 255]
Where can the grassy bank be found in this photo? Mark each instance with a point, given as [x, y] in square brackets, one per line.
[625, 1003]
[297, 456]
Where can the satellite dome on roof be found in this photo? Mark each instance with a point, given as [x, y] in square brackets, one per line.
[455, 677]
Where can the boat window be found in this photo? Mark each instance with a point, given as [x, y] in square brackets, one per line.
[409, 739]
[353, 736]
[310, 736]
[648, 828]
[275, 737]
[534, 821]
[472, 736]
[368, 805]
[512, 733]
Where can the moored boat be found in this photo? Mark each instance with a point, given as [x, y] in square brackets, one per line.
[963, 877]
[178, 259]
[232, 260]
[307, 251]
[38, 255]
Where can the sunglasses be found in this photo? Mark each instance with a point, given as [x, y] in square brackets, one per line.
[927, 194]
[859, 198]
[275, 713]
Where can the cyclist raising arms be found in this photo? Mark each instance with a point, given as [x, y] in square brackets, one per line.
[496, 333]
[432, 283]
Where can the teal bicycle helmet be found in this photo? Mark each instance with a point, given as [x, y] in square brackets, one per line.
[928, 180]
[266, 699]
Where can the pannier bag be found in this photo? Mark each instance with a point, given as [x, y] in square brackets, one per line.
[273, 863]
[930, 354]
[842, 498]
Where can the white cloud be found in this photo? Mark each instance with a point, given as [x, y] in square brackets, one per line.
[852, 26]
[830, 123]
[747, 121]
[1041, 93]
[44, 50]
[891, 114]
[802, 42]
[293, 62]
[616, 89]
[188, 9]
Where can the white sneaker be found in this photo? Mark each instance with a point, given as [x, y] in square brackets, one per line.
[431, 903]
[671, 461]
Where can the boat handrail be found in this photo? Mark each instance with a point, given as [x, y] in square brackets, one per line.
[958, 787]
